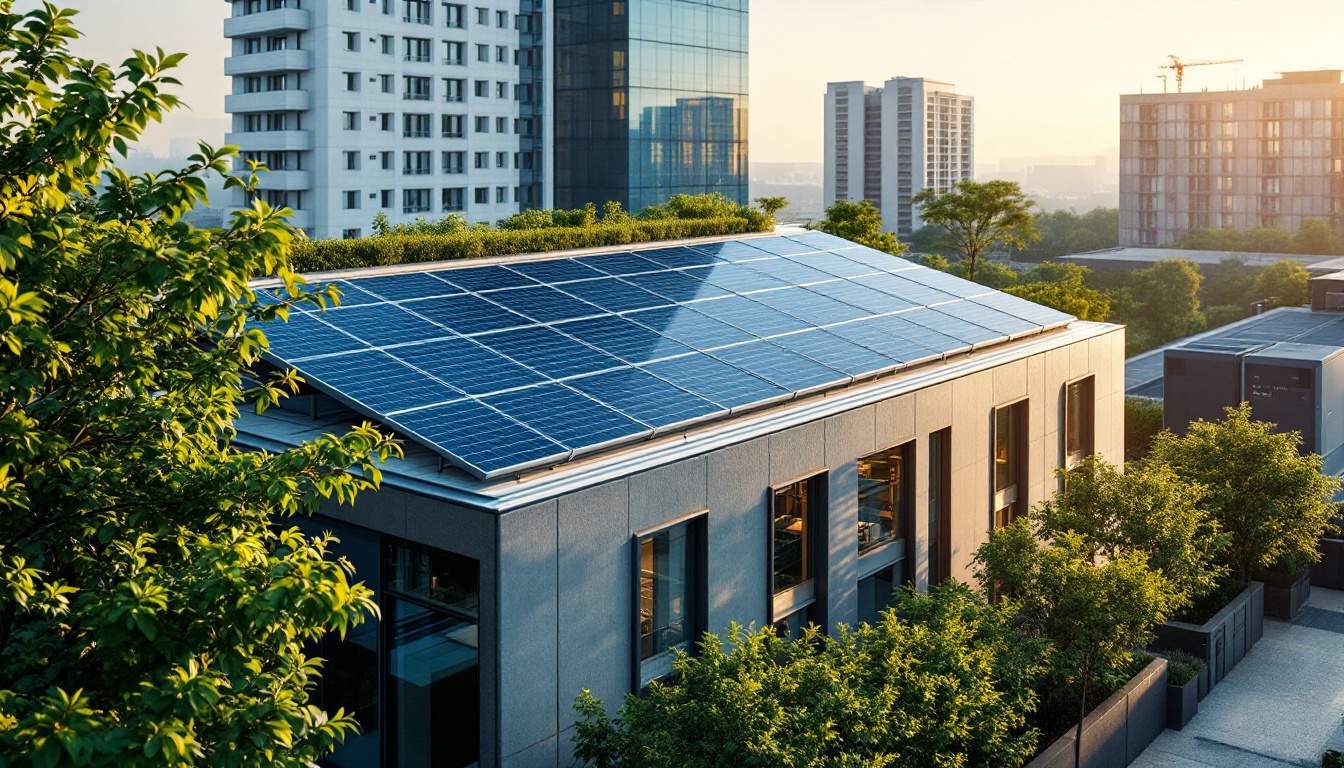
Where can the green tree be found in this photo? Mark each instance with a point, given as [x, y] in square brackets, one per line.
[1065, 232]
[1231, 282]
[156, 599]
[940, 680]
[1166, 301]
[979, 216]
[1148, 509]
[1063, 287]
[861, 223]
[1092, 613]
[991, 274]
[931, 241]
[772, 205]
[1316, 237]
[1143, 420]
[1285, 281]
[1271, 501]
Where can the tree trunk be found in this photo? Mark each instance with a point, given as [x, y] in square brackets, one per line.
[1082, 713]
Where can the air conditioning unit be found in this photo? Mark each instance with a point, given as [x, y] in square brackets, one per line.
[1327, 292]
[1298, 387]
[1200, 379]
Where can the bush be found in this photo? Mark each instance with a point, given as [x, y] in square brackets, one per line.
[1143, 420]
[319, 255]
[1182, 667]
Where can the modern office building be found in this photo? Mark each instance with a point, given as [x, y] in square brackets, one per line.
[410, 108]
[1266, 157]
[887, 144]
[608, 452]
[650, 100]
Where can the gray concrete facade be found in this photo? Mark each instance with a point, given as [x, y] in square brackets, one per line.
[557, 573]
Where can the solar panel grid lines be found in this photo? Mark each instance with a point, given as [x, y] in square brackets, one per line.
[548, 359]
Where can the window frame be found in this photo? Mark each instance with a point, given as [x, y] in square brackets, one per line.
[888, 551]
[1020, 415]
[808, 593]
[1088, 418]
[697, 523]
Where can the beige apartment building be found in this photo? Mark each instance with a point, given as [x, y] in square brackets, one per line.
[1271, 156]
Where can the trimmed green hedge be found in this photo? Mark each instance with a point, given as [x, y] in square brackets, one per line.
[322, 255]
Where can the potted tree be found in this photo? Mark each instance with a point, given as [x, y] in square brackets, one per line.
[1271, 502]
[1183, 671]
[1287, 586]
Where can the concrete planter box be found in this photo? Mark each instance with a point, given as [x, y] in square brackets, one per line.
[1284, 598]
[1182, 703]
[1329, 572]
[1120, 728]
[1222, 641]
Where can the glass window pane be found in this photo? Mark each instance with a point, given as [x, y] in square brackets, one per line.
[882, 493]
[448, 580]
[792, 521]
[667, 597]
[875, 594]
[1077, 421]
[433, 685]
[1004, 469]
[792, 626]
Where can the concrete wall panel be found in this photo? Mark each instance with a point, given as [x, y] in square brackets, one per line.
[843, 545]
[850, 435]
[528, 617]
[797, 451]
[933, 408]
[738, 534]
[666, 493]
[896, 421]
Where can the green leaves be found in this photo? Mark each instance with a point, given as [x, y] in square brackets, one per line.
[154, 605]
[860, 222]
[980, 215]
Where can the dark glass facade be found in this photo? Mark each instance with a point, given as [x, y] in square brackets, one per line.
[650, 100]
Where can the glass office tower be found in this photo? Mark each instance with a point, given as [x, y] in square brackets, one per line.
[650, 100]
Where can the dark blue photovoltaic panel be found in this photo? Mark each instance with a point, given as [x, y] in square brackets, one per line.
[469, 366]
[835, 265]
[676, 286]
[751, 316]
[305, 335]
[689, 327]
[480, 437]
[808, 306]
[733, 250]
[835, 352]
[350, 295]
[780, 246]
[614, 294]
[944, 282]
[566, 416]
[645, 397]
[679, 257]
[486, 278]
[377, 381]
[946, 322]
[1020, 307]
[1001, 323]
[861, 296]
[898, 339]
[780, 366]
[625, 339]
[554, 270]
[821, 241]
[383, 324]
[549, 352]
[791, 272]
[543, 304]
[620, 263]
[737, 278]
[874, 258]
[916, 293]
[717, 381]
[467, 313]
[414, 285]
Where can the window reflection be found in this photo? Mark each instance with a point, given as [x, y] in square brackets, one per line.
[1078, 422]
[876, 594]
[668, 597]
[882, 498]
[792, 522]
[433, 686]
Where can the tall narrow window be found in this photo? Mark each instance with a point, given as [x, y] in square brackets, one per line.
[1079, 422]
[940, 509]
[1010, 424]
[883, 498]
[670, 589]
[796, 516]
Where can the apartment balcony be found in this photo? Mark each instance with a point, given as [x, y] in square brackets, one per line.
[286, 181]
[268, 101]
[279, 20]
[297, 141]
[268, 61]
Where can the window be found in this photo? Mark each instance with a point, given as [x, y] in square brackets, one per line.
[502, 19]
[1079, 423]
[385, 198]
[796, 513]
[389, 44]
[454, 89]
[454, 53]
[352, 161]
[482, 16]
[875, 593]
[351, 81]
[940, 506]
[417, 49]
[415, 88]
[481, 160]
[416, 164]
[482, 52]
[350, 121]
[386, 162]
[501, 54]
[482, 89]
[385, 121]
[351, 198]
[482, 124]
[352, 5]
[453, 15]
[415, 126]
[454, 199]
[386, 84]
[350, 234]
[501, 194]
[884, 491]
[481, 195]
[1010, 424]
[414, 200]
[501, 125]
[501, 159]
[452, 126]
[670, 590]
[416, 11]
[454, 162]
[351, 41]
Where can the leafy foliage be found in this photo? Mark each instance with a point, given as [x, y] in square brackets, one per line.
[978, 216]
[155, 605]
[941, 680]
[448, 225]
[1143, 420]
[772, 205]
[1147, 509]
[1063, 287]
[1163, 303]
[860, 222]
[1065, 232]
[1314, 237]
[1284, 281]
[1182, 667]
[1272, 502]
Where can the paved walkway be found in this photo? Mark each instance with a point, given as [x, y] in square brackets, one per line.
[1281, 707]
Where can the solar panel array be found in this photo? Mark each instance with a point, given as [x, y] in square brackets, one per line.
[1144, 373]
[506, 367]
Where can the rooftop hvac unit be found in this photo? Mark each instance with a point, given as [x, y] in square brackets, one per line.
[1298, 387]
[1327, 292]
[1200, 379]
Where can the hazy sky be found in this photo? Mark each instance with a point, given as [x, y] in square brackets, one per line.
[1045, 73]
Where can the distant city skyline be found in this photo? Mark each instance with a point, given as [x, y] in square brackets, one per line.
[1047, 74]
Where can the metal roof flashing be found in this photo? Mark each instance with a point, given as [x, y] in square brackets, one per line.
[423, 472]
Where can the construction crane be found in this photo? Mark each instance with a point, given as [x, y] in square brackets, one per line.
[1178, 65]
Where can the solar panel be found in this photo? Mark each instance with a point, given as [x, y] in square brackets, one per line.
[350, 295]
[505, 367]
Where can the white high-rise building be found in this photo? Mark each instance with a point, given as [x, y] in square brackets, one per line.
[886, 144]
[410, 108]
